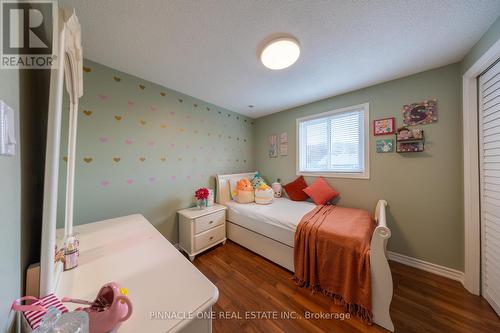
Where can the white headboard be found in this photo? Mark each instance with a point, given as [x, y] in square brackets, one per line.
[223, 192]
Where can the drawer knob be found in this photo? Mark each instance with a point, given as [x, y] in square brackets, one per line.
[212, 237]
[210, 222]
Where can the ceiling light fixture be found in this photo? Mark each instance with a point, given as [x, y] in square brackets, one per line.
[280, 53]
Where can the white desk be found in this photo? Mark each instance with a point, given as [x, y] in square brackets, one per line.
[130, 251]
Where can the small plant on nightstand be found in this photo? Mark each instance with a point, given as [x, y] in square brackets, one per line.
[201, 195]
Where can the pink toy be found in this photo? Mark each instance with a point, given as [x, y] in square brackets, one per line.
[110, 308]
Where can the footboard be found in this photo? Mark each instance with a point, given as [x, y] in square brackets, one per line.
[380, 271]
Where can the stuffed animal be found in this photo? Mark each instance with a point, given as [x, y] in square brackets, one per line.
[244, 191]
[277, 188]
[258, 181]
[264, 195]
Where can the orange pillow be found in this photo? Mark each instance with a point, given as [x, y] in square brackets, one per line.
[294, 190]
[320, 191]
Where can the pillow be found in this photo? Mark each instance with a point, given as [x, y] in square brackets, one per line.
[294, 190]
[264, 196]
[320, 191]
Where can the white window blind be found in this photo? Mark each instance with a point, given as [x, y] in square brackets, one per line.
[334, 142]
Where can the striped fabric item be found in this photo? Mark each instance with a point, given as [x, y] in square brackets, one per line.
[34, 318]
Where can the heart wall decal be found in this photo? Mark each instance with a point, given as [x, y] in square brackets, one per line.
[103, 139]
[87, 69]
[143, 122]
[116, 78]
[142, 159]
[103, 97]
[104, 183]
[142, 87]
[87, 113]
[116, 159]
[129, 141]
[130, 104]
[163, 94]
[130, 181]
[88, 159]
[118, 118]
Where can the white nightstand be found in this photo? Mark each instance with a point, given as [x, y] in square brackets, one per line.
[200, 229]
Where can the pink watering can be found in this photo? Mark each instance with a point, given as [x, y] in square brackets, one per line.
[110, 308]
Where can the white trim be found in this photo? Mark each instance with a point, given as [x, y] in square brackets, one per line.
[366, 133]
[447, 272]
[472, 232]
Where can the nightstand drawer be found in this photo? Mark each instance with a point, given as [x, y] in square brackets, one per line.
[209, 237]
[209, 221]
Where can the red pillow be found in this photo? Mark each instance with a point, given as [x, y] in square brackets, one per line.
[320, 191]
[295, 189]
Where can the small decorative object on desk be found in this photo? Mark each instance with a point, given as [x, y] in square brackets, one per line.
[69, 322]
[410, 140]
[110, 308]
[71, 253]
[35, 312]
[201, 195]
[277, 188]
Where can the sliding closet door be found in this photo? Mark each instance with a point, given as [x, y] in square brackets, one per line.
[489, 141]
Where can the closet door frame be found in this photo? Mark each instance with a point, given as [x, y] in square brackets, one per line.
[472, 216]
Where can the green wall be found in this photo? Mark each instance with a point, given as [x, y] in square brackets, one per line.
[10, 211]
[424, 190]
[169, 144]
[487, 40]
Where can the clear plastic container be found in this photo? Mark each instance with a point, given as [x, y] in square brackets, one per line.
[70, 322]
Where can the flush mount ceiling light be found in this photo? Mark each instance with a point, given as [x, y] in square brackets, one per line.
[280, 53]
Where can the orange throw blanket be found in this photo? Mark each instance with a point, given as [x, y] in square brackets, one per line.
[332, 255]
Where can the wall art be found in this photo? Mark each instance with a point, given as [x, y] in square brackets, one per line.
[385, 145]
[384, 126]
[422, 113]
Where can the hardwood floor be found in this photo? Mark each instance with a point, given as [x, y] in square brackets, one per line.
[248, 283]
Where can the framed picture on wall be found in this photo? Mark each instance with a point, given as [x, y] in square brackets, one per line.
[385, 146]
[284, 149]
[273, 145]
[421, 113]
[384, 126]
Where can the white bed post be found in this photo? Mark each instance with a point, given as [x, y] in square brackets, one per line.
[49, 215]
[73, 69]
[382, 288]
[69, 65]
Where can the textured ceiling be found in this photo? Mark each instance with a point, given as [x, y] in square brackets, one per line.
[208, 48]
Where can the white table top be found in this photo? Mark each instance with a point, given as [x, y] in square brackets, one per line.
[196, 212]
[130, 251]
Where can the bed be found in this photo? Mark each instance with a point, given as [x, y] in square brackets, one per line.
[269, 231]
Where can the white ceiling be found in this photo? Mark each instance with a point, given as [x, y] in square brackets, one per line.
[208, 48]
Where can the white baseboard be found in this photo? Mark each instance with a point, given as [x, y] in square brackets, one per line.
[427, 266]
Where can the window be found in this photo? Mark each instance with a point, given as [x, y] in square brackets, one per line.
[335, 143]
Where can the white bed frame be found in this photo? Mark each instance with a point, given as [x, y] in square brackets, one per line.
[282, 254]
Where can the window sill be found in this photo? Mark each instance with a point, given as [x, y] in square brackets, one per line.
[365, 175]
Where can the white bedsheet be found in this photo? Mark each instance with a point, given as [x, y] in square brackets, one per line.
[282, 212]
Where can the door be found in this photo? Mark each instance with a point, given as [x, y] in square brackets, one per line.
[489, 151]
